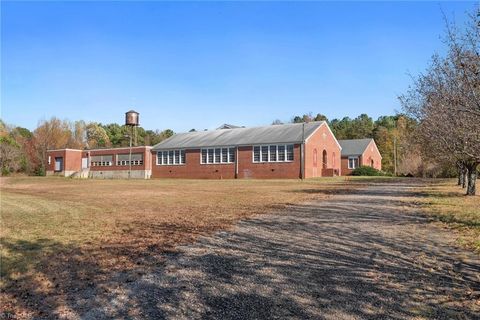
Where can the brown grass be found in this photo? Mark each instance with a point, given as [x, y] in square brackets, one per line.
[448, 203]
[61, 234]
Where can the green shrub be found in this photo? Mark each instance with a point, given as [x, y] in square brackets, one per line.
[366, 171]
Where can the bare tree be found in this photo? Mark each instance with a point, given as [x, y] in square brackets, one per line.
[445, 101]
[51, 134]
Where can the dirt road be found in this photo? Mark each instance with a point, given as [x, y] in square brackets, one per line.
[362, 254]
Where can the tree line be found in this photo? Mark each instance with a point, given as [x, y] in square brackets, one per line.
[22, 150]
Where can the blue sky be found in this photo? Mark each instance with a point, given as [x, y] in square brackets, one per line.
[200, 64]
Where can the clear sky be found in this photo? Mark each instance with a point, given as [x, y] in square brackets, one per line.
[200, 64]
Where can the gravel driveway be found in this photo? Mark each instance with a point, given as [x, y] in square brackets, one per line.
[361, 254]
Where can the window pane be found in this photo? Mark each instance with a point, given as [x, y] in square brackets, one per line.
[210, 155]
[264, 153]
[159, 157]
[256, 154]
[281, 153]
[177, 156]
[137, 156]
[182, 156]
[204, 155]
[231, 155]
[273, 153]
[218, 153]
[290, 152]
[170, 157]
[224, 155]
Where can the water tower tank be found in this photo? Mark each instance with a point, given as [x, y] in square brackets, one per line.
[131, 118]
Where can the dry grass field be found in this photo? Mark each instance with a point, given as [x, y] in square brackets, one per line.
[448, 204]
[60, 234]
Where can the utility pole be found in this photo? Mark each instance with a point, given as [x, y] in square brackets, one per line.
[302, 152]
[395, 149]
[130, 155]
[395, 154]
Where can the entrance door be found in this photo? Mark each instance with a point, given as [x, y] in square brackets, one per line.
[58, 164]
[84, 163]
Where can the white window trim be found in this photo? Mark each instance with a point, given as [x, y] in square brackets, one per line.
[180, 151]
[221, 155]
[276, 148]
[353, 158]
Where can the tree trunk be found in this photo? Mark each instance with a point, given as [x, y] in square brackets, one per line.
[461, 176]
[464, 174]
[472, 179]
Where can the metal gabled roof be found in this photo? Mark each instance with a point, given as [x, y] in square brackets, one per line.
[285, 133]
[354, 147]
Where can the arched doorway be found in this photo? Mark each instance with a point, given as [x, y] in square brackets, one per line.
[371, 163]
[324, 159]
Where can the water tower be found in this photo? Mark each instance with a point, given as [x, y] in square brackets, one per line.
[131, 120]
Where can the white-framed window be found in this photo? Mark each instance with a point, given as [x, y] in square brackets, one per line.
[217, 155]
[352, 162]
[123, 159]
[101, 161]
[273, 153]
[171, 157]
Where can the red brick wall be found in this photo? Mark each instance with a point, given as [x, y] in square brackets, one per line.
[53, 155]
[192, 169]
[345, 170]
[72, 159]
[321, 140]
[372, 153]
[268, 170]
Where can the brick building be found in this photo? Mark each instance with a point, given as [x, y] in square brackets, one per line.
[100, 163]
[359, 152]
[277, 151]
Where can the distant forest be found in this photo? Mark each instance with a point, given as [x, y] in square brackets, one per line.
[24, 151]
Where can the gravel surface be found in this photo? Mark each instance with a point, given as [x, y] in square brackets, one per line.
[361, 254]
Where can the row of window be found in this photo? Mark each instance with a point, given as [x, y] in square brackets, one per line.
[171, 157]
[122, 160]
[101, 163]
[126, 163]
[273, 153]
[267, 153]
[218, 155]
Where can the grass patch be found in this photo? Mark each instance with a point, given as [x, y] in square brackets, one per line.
[447, 202]
[40, 215]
